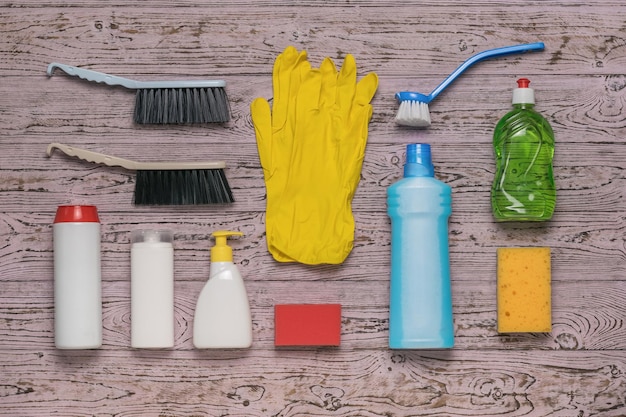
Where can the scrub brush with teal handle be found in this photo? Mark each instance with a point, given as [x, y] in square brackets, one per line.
[413, 110]
[165, 102]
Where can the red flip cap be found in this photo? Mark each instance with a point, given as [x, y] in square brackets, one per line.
[77, 214]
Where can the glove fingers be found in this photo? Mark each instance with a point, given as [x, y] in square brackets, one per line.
[308, 98]
[286, 80]
[354, 150]
[262, 121]
[366, 88]
[284, 65]
[328, 90]
[281, 65]
[358, 114]
[361, 114]
[299, 75]
[346, 85]
[287, 58]
[365, 91]
[296, 71]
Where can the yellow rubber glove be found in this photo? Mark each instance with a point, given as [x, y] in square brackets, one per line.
[274, 132]
[309, 214]
[275, 129]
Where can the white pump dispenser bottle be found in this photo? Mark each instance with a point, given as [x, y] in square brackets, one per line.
[222, 319]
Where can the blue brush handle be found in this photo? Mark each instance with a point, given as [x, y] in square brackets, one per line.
[490, 53]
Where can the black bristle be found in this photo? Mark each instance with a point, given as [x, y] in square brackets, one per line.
[182, 106]
[182, 187]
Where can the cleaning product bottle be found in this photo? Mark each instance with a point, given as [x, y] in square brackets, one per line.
[419, 205]
[77, 278]
[152, 289]
[222, 318]
[523, 188]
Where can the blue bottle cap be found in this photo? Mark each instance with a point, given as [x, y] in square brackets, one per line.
[418, 161]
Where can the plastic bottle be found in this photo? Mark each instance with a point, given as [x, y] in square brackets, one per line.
[523, 188]
[152, 289]
[419, 206]
[222, 318]
[77, 278]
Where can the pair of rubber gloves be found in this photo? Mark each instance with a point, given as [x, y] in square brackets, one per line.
[311, 144]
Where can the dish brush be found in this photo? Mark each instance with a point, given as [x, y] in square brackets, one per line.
[165, 183]
[165, 102]
[414, 111]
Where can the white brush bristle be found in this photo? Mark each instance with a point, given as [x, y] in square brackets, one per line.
[413, 113]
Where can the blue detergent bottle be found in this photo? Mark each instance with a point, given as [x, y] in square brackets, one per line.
[419, 206]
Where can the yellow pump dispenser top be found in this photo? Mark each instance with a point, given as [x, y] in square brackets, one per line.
[221, 252]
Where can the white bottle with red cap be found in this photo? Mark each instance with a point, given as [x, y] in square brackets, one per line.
[77, 278]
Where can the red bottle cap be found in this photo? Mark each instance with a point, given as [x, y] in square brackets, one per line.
[523, 94]
[77, 214]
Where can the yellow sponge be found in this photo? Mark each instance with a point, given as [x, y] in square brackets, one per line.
[524, 290]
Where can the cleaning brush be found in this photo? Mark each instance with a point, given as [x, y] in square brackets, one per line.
[165, 102]
[165, 183]
[414, 111]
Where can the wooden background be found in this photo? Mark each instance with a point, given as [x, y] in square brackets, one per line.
[577, 370]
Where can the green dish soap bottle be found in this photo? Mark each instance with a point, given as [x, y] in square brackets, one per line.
[523, 188]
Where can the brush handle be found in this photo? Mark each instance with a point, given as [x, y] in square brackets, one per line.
[490, 53]
[100, 77]
[113, 161]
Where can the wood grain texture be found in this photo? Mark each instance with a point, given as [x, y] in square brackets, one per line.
[577, 370]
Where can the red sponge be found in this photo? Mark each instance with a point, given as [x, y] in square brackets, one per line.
[307, 324]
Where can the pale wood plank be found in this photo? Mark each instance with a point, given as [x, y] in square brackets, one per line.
[323, 382]
[581, 110]
[586, 315]
[212, 35]
[584, 250]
